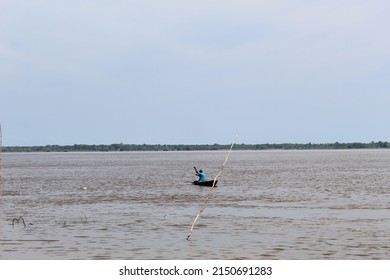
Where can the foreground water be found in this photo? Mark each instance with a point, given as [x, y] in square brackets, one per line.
[268, 205]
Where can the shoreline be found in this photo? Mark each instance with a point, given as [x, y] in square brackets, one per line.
[196, 147]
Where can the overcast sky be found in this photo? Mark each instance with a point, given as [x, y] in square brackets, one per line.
[194, 72]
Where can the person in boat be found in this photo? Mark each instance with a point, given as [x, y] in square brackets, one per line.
[202, 176]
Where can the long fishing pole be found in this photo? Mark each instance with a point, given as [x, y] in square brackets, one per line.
[211, 190]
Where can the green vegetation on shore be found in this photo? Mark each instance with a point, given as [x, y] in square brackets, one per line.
[183, 147]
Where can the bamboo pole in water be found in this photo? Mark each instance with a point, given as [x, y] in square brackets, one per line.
[1, 160]
[208, 197]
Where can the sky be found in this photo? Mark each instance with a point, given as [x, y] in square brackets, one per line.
[194, 72]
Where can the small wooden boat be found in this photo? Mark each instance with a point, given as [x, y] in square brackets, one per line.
[205, 183]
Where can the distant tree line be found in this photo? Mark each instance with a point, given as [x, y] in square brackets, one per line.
[182, 147]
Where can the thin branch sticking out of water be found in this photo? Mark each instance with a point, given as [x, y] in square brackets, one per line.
[66, 222]
[211, 190]
[18, 220]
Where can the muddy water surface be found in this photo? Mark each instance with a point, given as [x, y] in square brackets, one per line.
[268, 205]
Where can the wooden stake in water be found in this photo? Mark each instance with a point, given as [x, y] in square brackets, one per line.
[1, 162]
[211, 190]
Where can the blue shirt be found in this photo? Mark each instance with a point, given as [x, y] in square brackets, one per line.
[202, 177]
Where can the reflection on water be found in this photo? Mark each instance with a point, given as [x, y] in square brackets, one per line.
[268, 205]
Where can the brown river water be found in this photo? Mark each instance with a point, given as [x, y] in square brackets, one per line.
[283, 205]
